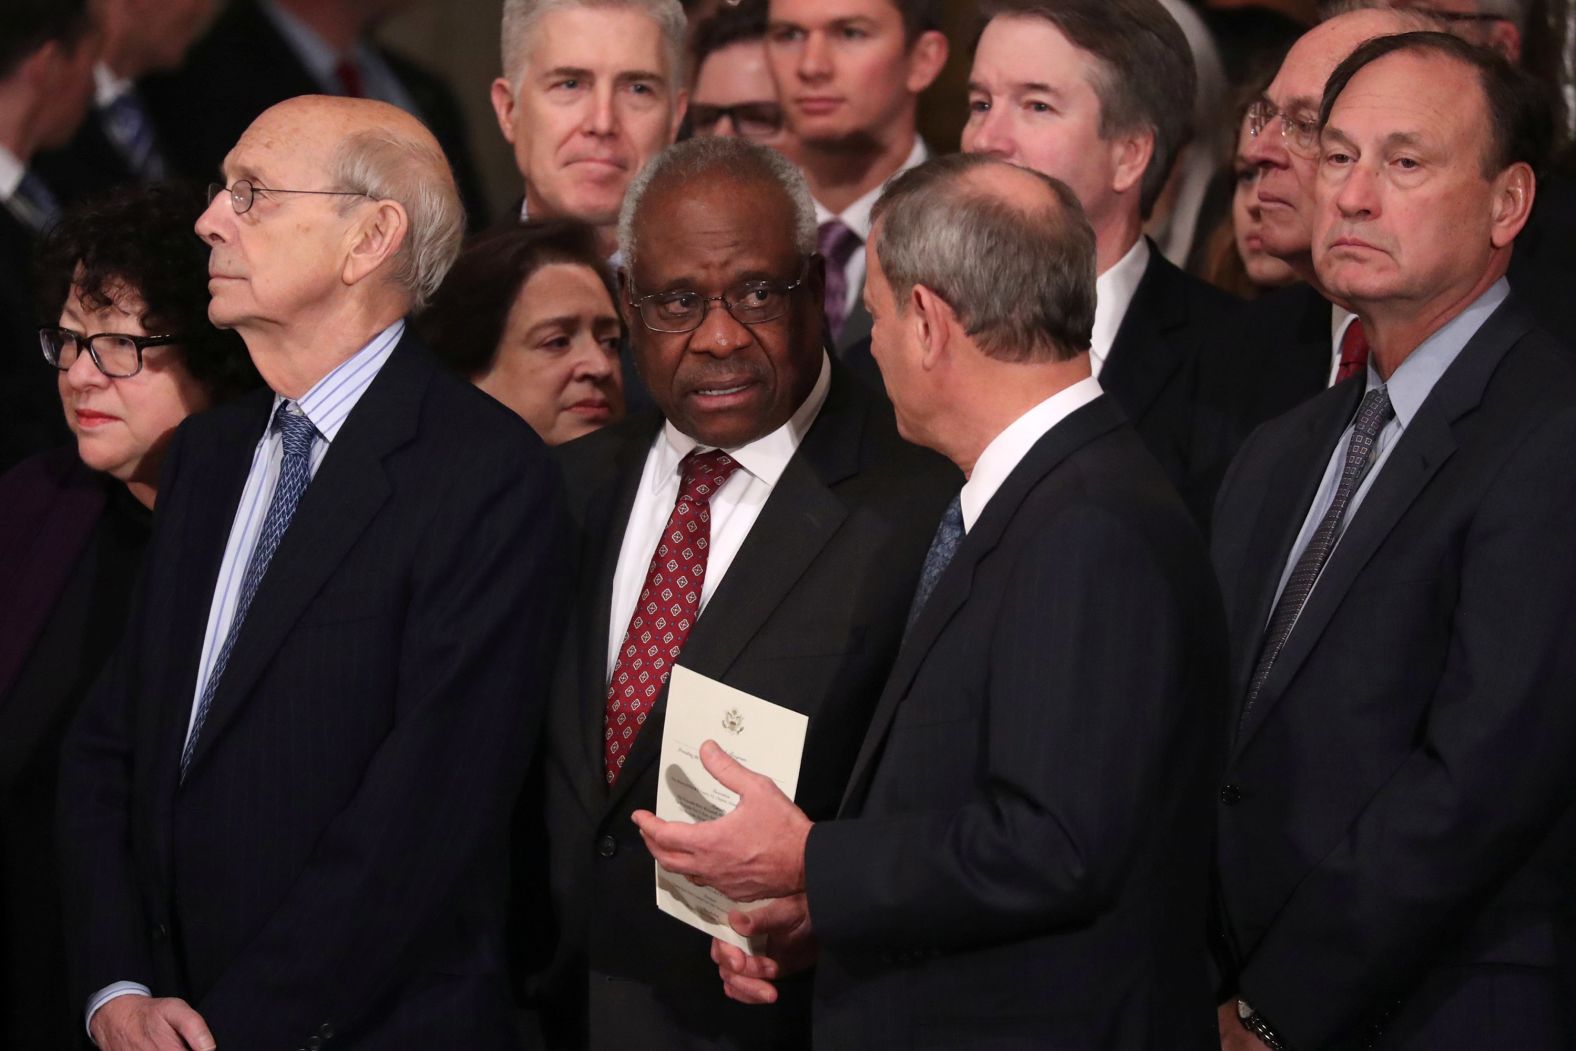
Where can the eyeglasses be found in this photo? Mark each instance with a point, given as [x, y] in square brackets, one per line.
[116, 354]
[749, 303]
[243, 192]
[753, 120]
[1300, 133]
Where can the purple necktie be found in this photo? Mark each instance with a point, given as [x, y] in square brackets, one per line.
[837, 243]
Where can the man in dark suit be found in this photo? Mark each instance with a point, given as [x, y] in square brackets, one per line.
[1021, 858]
[284, 807]
[261, 52]
[1119, 72]
[1395, 822]
[817, 531]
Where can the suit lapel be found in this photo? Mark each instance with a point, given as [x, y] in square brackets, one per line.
[953, 589]
[1142, 361]
[339, 503]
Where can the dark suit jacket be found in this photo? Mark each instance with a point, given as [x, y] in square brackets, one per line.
[808, 617]
[1396, 808]
[243, 66]
[90, 165]
[31, 420]
[1278, 356]
[333, 862]
[1021, 859]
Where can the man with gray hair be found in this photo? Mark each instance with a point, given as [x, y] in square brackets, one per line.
[591, 90]
[284, 800]
[1021, 858]
[814, 516]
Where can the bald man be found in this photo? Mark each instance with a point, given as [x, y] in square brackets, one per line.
[285, 794]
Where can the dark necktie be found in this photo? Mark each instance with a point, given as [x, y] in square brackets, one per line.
[837, 244]
[1374, 412]
[666, 611]
[1354, 351]
[949, 534]
[295, 472]
[34, 205]
[130, 130]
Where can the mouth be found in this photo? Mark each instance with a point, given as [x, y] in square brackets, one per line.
[89, 419]
[1352, 242]
[1255, 243]
[609, 163]
[591, 409]
[817, 105]
[721, 396]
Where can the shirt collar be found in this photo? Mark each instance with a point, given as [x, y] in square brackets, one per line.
[331, 398]
[108, 86]
[766, 457]
[1113, 293]
[11, 172]
[1340, 319]
[1008, 448]
[1411, 382]
[857, 215]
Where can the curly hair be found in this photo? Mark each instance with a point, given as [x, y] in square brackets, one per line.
[141, 240]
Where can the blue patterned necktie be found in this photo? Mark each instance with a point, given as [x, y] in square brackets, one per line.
[129, 128]
[1374, 412]
[295, 472]
[949, 534]
[34, 204]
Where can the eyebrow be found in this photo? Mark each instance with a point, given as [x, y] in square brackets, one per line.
[1020, 87]
[1395, 138]
[637, 76]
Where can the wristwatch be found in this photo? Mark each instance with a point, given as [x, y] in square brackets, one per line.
[1254, 1023]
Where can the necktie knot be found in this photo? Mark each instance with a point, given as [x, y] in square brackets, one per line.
[1354, 350]
[295, 430]
[1374, 412]
[703, 473]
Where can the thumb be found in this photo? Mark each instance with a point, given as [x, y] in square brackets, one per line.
[189, 1024]
[721, 765]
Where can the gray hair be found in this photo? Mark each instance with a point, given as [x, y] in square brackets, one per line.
[1408, 19]
[1020, 278]
[520, 19]
[387, 166]
[737, 158]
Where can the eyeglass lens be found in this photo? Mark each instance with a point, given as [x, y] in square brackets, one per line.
[114, 355]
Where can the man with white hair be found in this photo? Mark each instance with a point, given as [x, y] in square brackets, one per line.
[816, 516]
[284, 800]
[591, 90]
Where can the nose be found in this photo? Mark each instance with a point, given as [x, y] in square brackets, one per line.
[815, 60]
[720, 334]
[1355, 196]
[83, 374]
[210, 223]
[593, 361]
[1267, 149]
[987, 132]
[601, 118]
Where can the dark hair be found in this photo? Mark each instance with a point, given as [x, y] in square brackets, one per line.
[466, 320]
[1146, 77]
[1020, 277]
[919, 17]
[27, 25]
[1520, 117]
[140, 239]
[730, 25]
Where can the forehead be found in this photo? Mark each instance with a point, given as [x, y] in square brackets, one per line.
[608, 40]
[1314, 57]
[1426, 96]
[820, 12]
[737, 72]
[279, 146]
[721, 229]
[1020, 49]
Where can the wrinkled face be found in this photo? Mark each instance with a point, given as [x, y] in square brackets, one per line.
[123, 425]
[891, 345]
[596, 101]
[737, 76]
[1032, 103]
[843, 70]
[557, 363]
[1247, 221]
[726, 383]
[283, 260]
[1405, 212]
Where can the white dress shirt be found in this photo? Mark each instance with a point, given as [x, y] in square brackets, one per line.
[108, 86]
[734, 507]
[1340, 320]
[1113, 294]
[11, 172]
[857, 218]
[1005, 451]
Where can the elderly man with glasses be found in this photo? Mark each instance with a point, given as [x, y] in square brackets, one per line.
[282, 803]
[815, 516]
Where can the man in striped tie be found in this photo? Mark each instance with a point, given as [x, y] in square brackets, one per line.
[285, 804]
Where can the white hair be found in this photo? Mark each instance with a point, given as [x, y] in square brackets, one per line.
[521, 17]
[738, 158]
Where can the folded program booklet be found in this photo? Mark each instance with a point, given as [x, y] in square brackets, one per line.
[765, 737]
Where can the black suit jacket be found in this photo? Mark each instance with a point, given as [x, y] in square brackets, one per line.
[1021, 859]
[90, 165]
[1396, 810]
[31, 420]
[808, 616]
[242, 66]
[332, 867]
[1278, 356]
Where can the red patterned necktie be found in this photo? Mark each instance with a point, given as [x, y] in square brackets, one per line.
[669, 603]
[1354, 351]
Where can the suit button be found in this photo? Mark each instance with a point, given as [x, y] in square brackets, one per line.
[607, 846]
[325, 1031]
[1230, 795]
[161, 933]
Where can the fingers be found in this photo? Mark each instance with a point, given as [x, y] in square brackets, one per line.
[776, 915]
[182, 1018]
[748, 990]
[729, 773]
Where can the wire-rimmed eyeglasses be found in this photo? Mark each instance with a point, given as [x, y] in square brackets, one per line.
[750, 303]
[243, 192]
[1299, 131]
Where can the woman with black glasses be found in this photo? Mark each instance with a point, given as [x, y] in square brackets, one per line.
[124, 286]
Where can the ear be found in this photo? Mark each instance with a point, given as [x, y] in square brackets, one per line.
[1130, 156]
[935, 326]
[1514, 190]
[503, 101]
[375, 240]
[40, 67]
[625, 311]
[925, 59]
[680, 107]
[1505, 38]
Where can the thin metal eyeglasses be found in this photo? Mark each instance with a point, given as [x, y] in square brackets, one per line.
[1300, 133]
[115, 354]
[750, 303]
[243, 192]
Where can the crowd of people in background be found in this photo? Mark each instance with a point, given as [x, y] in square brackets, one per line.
[1156, 499]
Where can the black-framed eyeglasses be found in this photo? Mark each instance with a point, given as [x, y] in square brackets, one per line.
[750, 303]
[1300, 133]
[753, 120]
[243, 192]
[115, 354]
